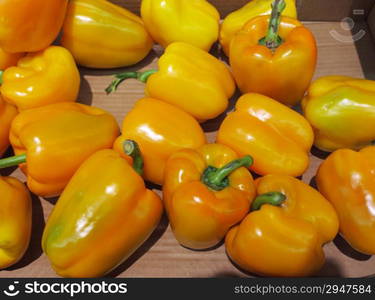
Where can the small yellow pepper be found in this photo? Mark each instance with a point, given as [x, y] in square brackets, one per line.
[341, 111]
[195, 22]
[277, 137]
[188, 78]
[160, 129]
[15, 220]
[8, 59]
[101, 34]
[52, 141]
[7, 113]
[284, 234]
[103, 216]
[237, 19]
[41, 78]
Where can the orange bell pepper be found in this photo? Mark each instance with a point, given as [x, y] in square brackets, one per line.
[52, 141]
[160, 129]
[346, 178]
[279, 62]
[284, 234]
[8, 59]
[101, 34]
[201, 89]
[206, 191]
[15, 221]
[7, 114]
[113, 215]
[41, 78]
[30, 25]
[277, 137]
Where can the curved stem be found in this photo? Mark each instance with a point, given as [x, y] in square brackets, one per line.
[217, 179]
[131, 148]
[272, 198]
[120, 77]
[12, 161]
[272, 40]
[1, 77]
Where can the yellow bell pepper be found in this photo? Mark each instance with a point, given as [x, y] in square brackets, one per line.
[101, 34]
[8, 59]
[284, 234]
[52, 141]
[194, 22]
[341, 111]
[103, 216]
[7, 113]
[15, 220]
[160, 129]
[202, 88]
[237, 19]
[41, 78]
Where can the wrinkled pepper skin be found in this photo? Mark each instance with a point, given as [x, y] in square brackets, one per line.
[113, 215]
[346, 179]
[200, 216]
[160, 129]
[30, 25]
[278, 138]
[195, 22]
[273, 76]
[237, 19]
[202, 88]
[7, 114]
[15, 221]
[8, 59]
[341, 111]
[42, 78]
[57, 138]
[102, 35]
[284, 241]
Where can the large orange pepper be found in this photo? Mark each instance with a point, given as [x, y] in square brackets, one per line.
[7, 114]
[101, 34]
[160, 129]
[41, 78]
[206, 191]
[284, 234]
[30, 25]
[15, 220]
[277, 137]
[202, 88]
[278, 62]
[103, 216]
[8, 59]
[52, 141]
[347, 179]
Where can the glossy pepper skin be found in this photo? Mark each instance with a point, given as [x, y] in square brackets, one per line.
[15, 221]
[42, 78]
[30, 25]
[7, 114]
[160, 129]
[56, 139]
[284, 241]
[346, 179]
[201, 215]
[195, 22]
[237, 19]
[278, 138]
[8, 59]
[113, 214]
[341, 110]
[283, 74]
[101, 34]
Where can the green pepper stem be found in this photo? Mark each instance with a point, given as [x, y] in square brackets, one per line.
[272, 40]
[120, 77]
[131, 148]
[272, 198]
[12, 161]
[1, 77]
[217, 179]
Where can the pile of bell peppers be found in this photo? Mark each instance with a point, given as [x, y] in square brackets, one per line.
[275, 225]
